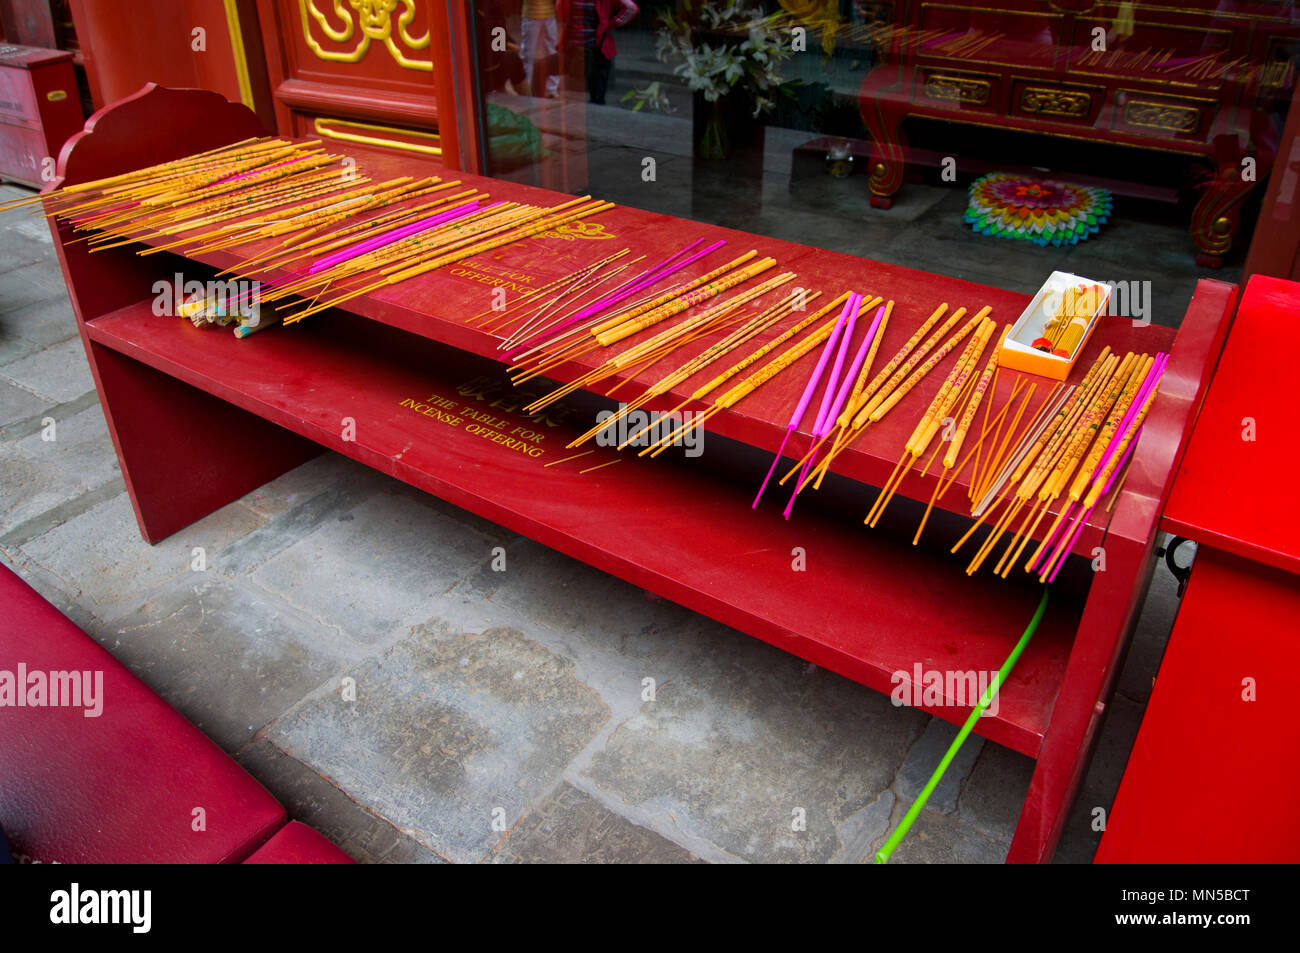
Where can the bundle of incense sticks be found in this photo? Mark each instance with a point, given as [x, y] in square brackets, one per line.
[326, 221]
[543, 331]
[911, 364]
[665, 342]
[748, 330]
[940, 408]
[556, 301]
[486, 230]
[845, 324]
[562, 347]
[1073, 449]
[749, 385]
[213, 186]
[630, 323]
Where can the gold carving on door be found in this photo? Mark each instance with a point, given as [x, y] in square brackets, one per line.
[374, 22]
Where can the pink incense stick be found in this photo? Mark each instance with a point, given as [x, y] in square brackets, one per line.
[835, 391]
[642, 281]
[378, 241]
[1128, 451]
[808, 392]
[633, 282]
[397, 234]
[655, 268]
[1153, 376]
[653, 276]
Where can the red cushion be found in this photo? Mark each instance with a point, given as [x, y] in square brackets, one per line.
[121, 787]
[298, 844]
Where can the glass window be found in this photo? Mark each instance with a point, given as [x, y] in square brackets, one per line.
[1119, 141]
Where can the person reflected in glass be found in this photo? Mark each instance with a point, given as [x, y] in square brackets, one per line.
[587, 35]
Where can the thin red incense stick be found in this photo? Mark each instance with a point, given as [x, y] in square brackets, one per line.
[397, 234]
[646, 277]
[846, 386]
[387, 238]
[643, 281]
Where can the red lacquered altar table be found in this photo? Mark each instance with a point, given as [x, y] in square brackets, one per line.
[867, 604]
[1212, 775]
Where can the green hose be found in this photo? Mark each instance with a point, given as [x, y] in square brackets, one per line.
[896, 838]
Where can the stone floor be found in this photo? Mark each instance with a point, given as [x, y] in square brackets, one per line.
[350, 644]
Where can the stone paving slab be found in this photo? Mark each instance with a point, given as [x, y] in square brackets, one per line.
[572, 597]
[375, 568]
[306, 481]
[43, 321]
[296, 514]
[995, 790]
[925, 756]
[943, 839]
[228, 656]
[571, 827]
[32, 283]
[452, 734]
[313, 800]
[752, 749]
[101, 555]
[81, 448]
[33, 487]
[58, 373]
[18, 403]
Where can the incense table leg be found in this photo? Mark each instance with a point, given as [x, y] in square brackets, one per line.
[185, 453]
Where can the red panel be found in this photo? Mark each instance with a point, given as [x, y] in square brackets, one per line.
[1224, 480]
[235, 453]
[297, 843]
[185, 453]
[120, 787]
[152, 41]
[1211, 778]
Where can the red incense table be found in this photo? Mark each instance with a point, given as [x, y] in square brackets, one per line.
[1212, 773]
[200, 418]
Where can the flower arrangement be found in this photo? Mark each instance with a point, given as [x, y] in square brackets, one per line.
[712, 64]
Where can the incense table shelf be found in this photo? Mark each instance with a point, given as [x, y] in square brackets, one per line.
[411, 377]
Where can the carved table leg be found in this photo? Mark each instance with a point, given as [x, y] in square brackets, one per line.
[883, 116]
[1218, 212]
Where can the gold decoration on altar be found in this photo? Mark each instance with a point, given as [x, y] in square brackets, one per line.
[1046, 101]
[957, 89]
[1161, 116]
[376, 21]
